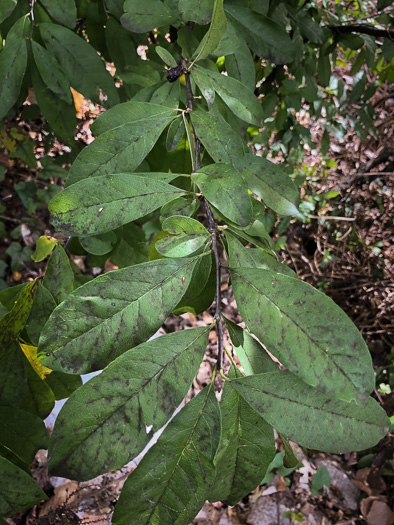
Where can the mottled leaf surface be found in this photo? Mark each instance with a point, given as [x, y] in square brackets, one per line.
[224, 187]
[141, 18]
[246, 449]
[59, 277]
[310, 418]
[138, 391]
[306, 331]
[175, 477]
[186, 236]
[13, 61]
[111, 314]
[43, 306]
[100, 204]
[272, 184]
[18, 490]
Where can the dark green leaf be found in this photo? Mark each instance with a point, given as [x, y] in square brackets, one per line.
[185, 206]
[182, 457]
[38, 398]
[306, 331]
[252, 356]
[120, 45]
[309, 28]
[200, 13]
[59, 277]
[141, 18]
[13, 379]
[6, 8]
[18, 490]
[20, 30]
[216, 30]
[265, 37]
[80, 63]
[186, 236]
[197, 303]
[127, 134]
[62, 385]
[22, 432]
[323, 68]
[51, 73]
[175, 134]
[167, 95]
[246, 450]
[166, 56]
[240, 65]
[310, 418]
[13, 61]
[63, 11]
[219, 139]
[100, 204]
[111, 314]
[99, 244]
[270, 183]
[223, 186]
[140, 391]
[228, 43]
[290, 459]
[132, 248]
[43, 306]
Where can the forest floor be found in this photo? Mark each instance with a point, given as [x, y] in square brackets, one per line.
[343, 246]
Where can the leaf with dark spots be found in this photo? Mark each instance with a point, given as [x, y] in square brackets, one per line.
[306, 331]
[140, 388]
[176, 475]
[100, 204]
[310, 418]
[247, 447]
[111, 314]
[59, 277]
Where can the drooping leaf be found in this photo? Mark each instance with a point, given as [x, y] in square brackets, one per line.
[242, 102]
[59, 277]
[127, 133]
[43, 305]
[22, 432]
[50, 72]
[246, 449]
[182, 457]
[14, 321]
[141, 18]
[306, 331]
[216, 30]
[111, 314]
[309, 417]
[271, 183]
[99, 204]
[13, 61]
[186, 236]
[63, 385]
[31, 355]
[140, 390]
[219, 139]
[18, 490]
[264, 36]
[80, 63]
[63, 11]
[223, 186]
[252, 356]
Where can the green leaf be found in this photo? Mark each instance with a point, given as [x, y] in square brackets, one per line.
[141, 390]
[175, 134]
[306, 331]
[257, 234]
[99, 244]
[100, 204]
[38, 398]
[309, 28]
[201, 13]
[6, 8]
[241, 257]
[228, 43]
[132, 248]
[252, 356]
[240, 65]
[320, 480]
[323, 68]
[127, 133]
[60, 115]
[44, 245]
[80, 63]
[216, 30]
[223, 186]
[13, 61]
[290, 459]
[246, 450]
[182, 457]
[166, 56]
[264, 36]
[141, 18]
[20, 30]
[22, 432]
[111, 314]
[12, 323]
[167, 95]
[18, 490]
[310, 418]
[43, 305]
[186, 206]
[186, 236]
[59, 277]
[242, 102]
[63, 11]
[197, 303]
[120, 44]
[51, 73]
[217, 136]
[13, 379]
[270, 183]
[62, 385]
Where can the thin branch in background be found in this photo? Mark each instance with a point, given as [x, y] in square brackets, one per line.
[363, 28]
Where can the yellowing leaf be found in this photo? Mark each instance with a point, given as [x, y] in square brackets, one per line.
[78, 101]
[31, 354]
[44, 246]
